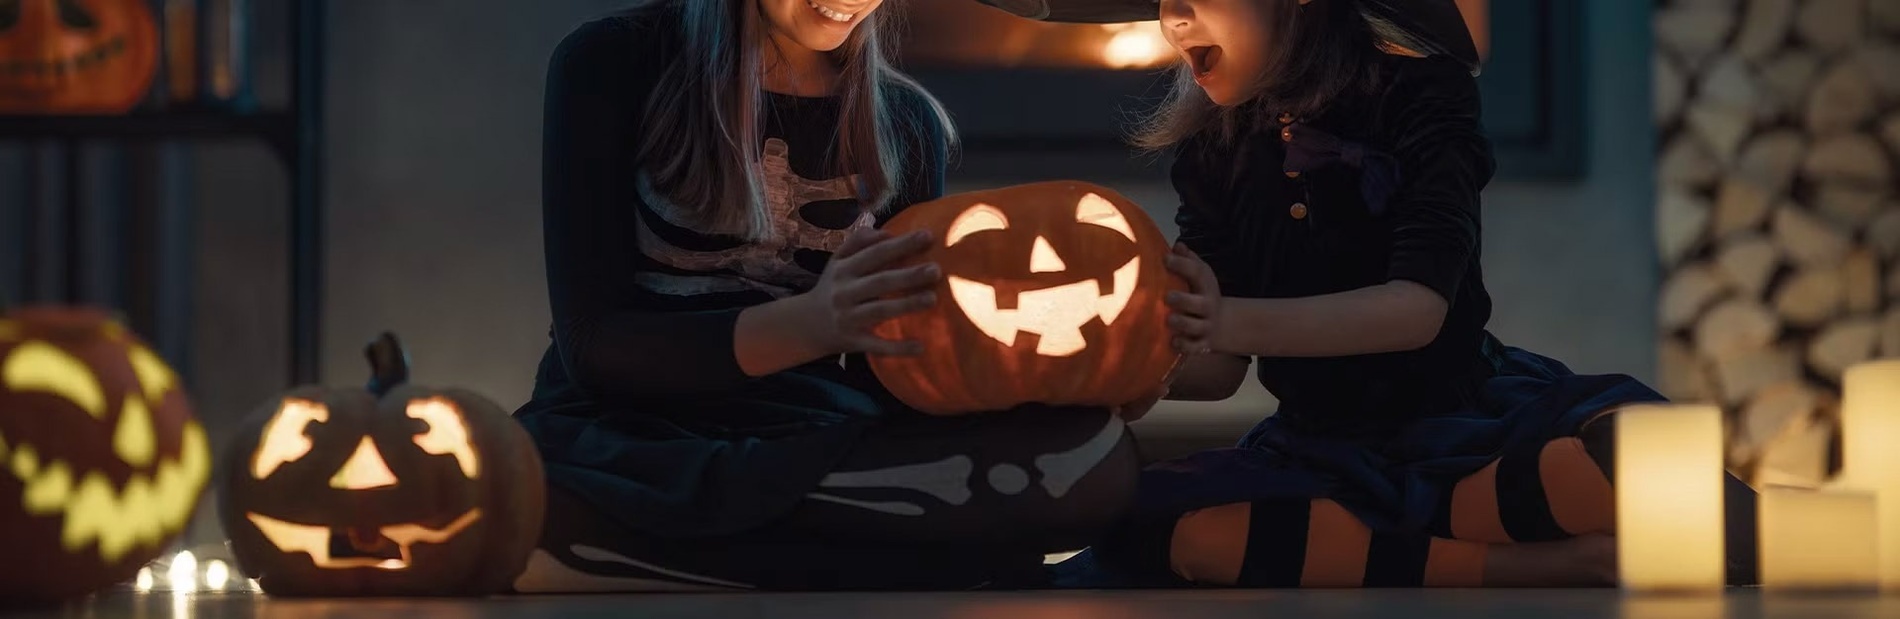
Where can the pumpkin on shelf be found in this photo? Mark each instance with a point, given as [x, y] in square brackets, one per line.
[101, 460]
[389, 490]
[76, 56]
[1053, 293]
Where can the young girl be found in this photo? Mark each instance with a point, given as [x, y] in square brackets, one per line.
[714, 172]
[1330, 164]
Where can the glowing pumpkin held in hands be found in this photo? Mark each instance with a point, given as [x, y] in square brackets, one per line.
[390, 490]
[1053, 293]
[76, 56]
[101, 460]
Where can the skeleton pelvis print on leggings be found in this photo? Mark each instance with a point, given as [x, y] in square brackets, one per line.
[953, 480]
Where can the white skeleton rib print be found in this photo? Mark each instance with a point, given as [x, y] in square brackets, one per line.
[767, 266]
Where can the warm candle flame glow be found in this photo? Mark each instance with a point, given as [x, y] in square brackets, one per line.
[145, 580]
[1136, 46]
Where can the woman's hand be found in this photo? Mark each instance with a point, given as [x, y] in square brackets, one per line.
[1193, 320]
[851, 296]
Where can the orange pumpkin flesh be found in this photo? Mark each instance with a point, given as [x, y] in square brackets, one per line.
[101, 460]
[1053, 293]
[76, 56]
[392, 490]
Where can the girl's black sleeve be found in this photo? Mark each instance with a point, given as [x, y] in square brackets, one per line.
[610, 340]
[1446, 162]
[1204, 223]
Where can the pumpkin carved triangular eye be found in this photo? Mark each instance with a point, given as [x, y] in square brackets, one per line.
[9, 14]
[74, 16]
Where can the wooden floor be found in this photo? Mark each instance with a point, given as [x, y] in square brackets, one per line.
[1400, 604]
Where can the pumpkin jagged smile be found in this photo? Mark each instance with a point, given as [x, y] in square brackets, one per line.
[144, 510]
[72, 65]
[386, 547]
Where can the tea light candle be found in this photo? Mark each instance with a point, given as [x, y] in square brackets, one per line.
[1817, 539]
[1669, 517]
[1870, 426]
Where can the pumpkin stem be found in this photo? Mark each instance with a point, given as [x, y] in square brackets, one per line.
[388, 364]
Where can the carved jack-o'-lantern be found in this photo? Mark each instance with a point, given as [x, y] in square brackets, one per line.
[101, 461]
[1053, 293]
[76, 56]
[393, 490]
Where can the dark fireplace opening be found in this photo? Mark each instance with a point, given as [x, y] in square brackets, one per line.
[1032, 99]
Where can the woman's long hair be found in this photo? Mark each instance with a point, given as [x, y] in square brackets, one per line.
[1316, 52]
[704, 127]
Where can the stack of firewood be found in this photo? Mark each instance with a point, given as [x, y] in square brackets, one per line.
[1778, 220]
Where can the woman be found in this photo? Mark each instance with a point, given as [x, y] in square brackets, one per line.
[714, 174]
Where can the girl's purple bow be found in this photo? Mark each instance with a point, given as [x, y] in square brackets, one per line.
[1309, 149]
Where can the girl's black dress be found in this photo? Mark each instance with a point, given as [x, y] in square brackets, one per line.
[1383, 186]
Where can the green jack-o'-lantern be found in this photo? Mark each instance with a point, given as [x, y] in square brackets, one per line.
[101, 460]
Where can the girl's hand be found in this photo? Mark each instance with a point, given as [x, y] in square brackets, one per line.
[850, 297]
[1134, 411]
[1195, 311]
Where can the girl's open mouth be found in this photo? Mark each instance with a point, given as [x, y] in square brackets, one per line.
[1203, 59]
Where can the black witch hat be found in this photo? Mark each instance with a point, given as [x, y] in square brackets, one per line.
[1435, 24]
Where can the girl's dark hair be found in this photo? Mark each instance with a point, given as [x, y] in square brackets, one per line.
[704, 126]
[1317, 51]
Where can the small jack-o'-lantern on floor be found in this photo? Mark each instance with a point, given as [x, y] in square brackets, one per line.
[390, 490]
[101, 460]
[76, 56]
[1053, 293]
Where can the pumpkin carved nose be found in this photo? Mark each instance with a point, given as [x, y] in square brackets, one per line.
[364, 470]
[1043, 258]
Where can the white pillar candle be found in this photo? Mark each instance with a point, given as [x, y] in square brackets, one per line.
[1870, 451]
[1817, 539]
[1669, 517]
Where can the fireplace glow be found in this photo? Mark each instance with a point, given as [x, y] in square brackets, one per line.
[941, 33]
[1134, 46]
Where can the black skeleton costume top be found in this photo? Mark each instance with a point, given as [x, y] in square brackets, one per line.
[639, 400]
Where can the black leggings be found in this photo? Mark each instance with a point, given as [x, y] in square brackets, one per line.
[938, 503]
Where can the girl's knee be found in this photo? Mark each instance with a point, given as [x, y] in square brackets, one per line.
[1208, 545]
